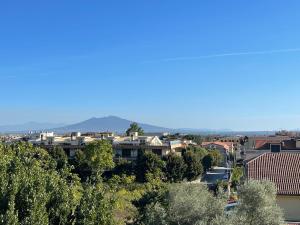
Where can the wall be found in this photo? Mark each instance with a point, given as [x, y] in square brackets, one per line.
[291, 206]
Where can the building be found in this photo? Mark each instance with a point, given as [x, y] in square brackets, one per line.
[70, 143]
[284, 170]
[235, 140]
[128, 147]
[225, 148]
[273, 143]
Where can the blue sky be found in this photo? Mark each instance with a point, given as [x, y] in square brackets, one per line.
[199, 64]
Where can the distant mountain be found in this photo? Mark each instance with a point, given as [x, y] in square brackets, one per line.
[30, 126]
[109, 123]
[118, 125]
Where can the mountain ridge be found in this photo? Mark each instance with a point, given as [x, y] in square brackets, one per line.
[108, 123]
[29, 126]
[112, 124]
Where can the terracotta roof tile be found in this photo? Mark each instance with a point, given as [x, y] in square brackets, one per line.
[226, 145]
[281, 168]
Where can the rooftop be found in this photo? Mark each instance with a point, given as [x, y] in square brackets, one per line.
[281, 168]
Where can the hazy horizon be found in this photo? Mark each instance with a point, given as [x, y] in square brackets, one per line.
[221, 129]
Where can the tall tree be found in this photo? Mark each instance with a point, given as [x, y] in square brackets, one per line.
[216, 156]
[194, 166]
[59, 155]
[207, 162]
[148, 163]
[96, 207]
[99, 155]
[134, 127]
[32, 191]
[236, 176]
[175, 168]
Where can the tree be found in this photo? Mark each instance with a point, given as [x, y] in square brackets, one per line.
[201, 152]
[186, 204]
[32, 191]
[194, 165]
[81, 166]
[134, 127]
[148, 162]
[258, 205]
[153, 192]
[125, 191]
[216, 156]
[175, 168]
[207, 162]
[59, 155]
[99, 155]
[193, 204]
[96, 207]
[154, 214]
[190, 204]
[236, 176]
[123, 167]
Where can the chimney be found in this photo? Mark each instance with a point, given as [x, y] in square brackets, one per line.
[134, 135]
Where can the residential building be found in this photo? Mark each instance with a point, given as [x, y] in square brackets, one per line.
[70, 143]
[128, 147]
[235, 140]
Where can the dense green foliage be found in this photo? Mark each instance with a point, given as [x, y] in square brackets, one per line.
[194, 165]
[134, 127]
[258, 205]
[190, 204]
[207, 162]
[175, 168]
[59, 155]
[33, 191]
[201, 152]
[148, 163]
[236, 176]
[216, 156]
[39, 188]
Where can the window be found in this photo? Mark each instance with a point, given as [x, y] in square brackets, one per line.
[157, 151]
[275, 148]
[118, 152]
[126, 152]
[134, 153]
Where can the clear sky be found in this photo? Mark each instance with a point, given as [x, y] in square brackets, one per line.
[198, 64]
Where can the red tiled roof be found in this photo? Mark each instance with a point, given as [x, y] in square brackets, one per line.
[226, 145]
[281, 168]
[261, 143]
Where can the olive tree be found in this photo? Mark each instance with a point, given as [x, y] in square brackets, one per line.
[258, 205]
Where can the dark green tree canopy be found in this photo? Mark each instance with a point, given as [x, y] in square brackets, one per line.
[149, 163]
[207, 162]
[194, 165]
[175, 168]
[134, 127]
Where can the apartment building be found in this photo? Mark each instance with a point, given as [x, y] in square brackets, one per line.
[128, 147]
